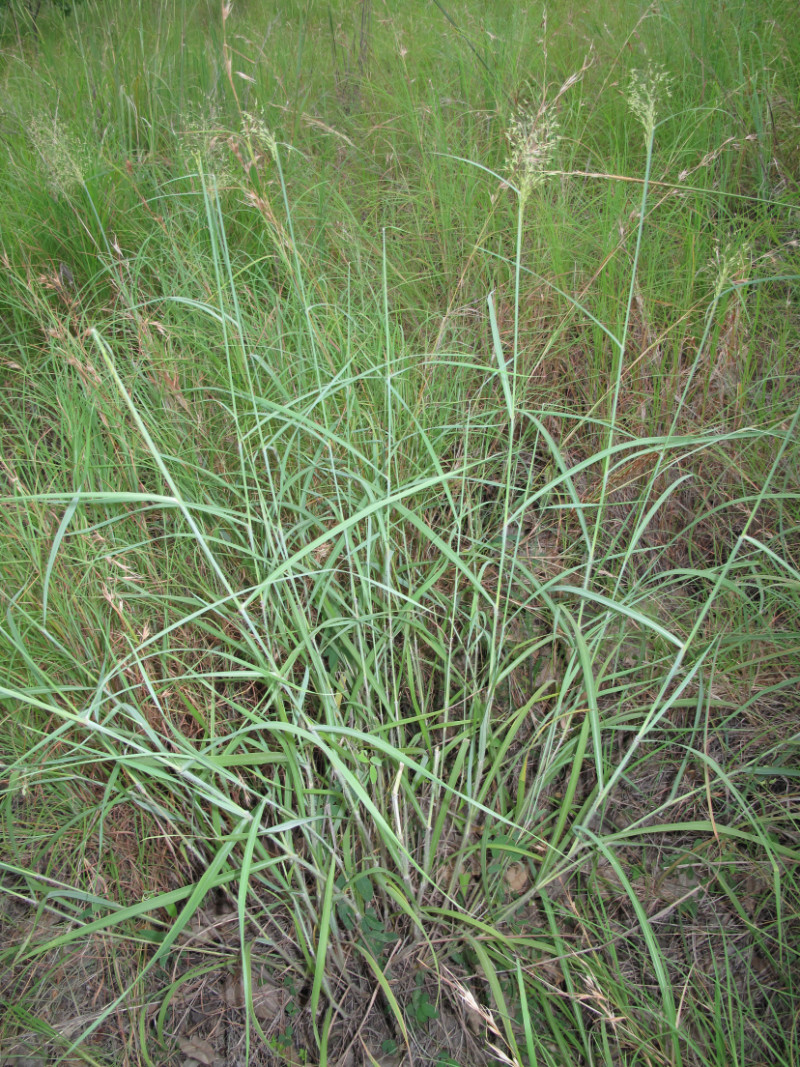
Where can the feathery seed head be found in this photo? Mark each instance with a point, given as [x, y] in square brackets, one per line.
[65, 157]
[255, 128]
[533, 137]
[645, 89]
[203, 136]
[731, 264]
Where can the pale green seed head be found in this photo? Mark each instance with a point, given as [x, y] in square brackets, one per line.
[255, 128]
[731, 264]
[65, 157]
[646, 89]
[533, 137]
[203, 137]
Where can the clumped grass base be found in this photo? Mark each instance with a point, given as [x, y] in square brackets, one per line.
[400, 547]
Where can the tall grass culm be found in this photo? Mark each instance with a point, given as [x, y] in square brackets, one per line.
[400, 556]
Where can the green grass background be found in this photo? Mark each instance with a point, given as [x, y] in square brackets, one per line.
[402, 568]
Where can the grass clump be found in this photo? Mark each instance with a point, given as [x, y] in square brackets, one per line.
[400, 552]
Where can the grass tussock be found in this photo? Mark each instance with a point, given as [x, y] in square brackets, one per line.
[400, 509]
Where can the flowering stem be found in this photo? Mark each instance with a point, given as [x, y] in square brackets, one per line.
[517, 267]
[622, 344]
[620, 364]
[500, 602]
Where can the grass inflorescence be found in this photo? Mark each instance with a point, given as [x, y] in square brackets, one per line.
[400, 510]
